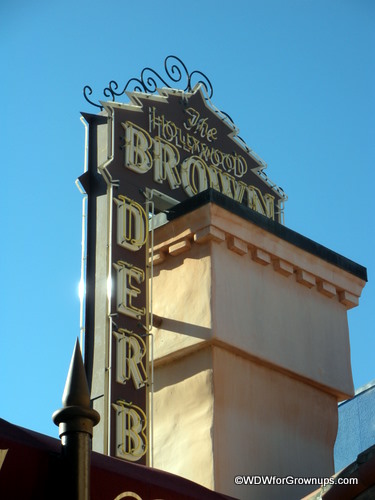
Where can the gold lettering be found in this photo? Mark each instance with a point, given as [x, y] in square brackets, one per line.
[194, 175]
[127, 275]
[214, 177]
[132, 224]
[131, 349]
[191, 122]
[263, 205]
[240, 168]
[226, 183]
[131, 439]
[212, 134]
[166, 159]
[181, 141]
[199, 125]
[269, 202]
[207, 165]
[128, 494]
[154, 121]
[137, 145]
[239, 190]
[216, 157]
[169, 131]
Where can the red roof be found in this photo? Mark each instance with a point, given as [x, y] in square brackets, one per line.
[33, 469]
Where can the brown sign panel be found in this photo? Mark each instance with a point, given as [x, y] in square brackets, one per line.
[159, 150]
[176, 143]
[130, 328]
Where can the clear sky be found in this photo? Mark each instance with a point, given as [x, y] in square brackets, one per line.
[297, 77]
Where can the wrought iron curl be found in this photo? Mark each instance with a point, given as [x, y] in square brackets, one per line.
[149, 82]
[137, 87]
[176, 71]
[109, 91]
[172, 69]
[202, 79]
[88, 90]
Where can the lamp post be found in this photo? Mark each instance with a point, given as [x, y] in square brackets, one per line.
[76, 420]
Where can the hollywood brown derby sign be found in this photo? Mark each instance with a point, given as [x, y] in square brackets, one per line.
[164, 146]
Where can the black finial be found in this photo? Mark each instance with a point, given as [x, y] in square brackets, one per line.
[76, 413]
[76, 392]
[76, 420]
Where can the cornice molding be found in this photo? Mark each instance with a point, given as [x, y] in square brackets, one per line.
[213, 224]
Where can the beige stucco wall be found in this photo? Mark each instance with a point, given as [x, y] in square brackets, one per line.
[267, 423]
[274, 318]
[182, 298]
[184, 406]
[251, 354]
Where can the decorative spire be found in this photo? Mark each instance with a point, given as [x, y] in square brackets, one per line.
[76, 413]
[76, 391]
[76, 421]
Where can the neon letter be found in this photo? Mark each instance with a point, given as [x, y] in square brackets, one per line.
[131, 440]
[132, 224]
[263, 205]
[194, 173]
[126, 290]
[166, 159]
[131, 349]
[137, 144]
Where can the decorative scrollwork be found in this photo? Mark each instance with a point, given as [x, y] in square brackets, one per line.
[150, 81]
[88, 90]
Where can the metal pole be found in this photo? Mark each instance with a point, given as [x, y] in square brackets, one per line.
[76, 420]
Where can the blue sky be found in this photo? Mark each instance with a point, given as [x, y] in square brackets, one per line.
[297, 77]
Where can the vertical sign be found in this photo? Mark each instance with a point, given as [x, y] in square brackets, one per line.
[175, 144]
[130, 325]
[117, 298]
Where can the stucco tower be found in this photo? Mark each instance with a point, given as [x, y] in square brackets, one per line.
[251, 348]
